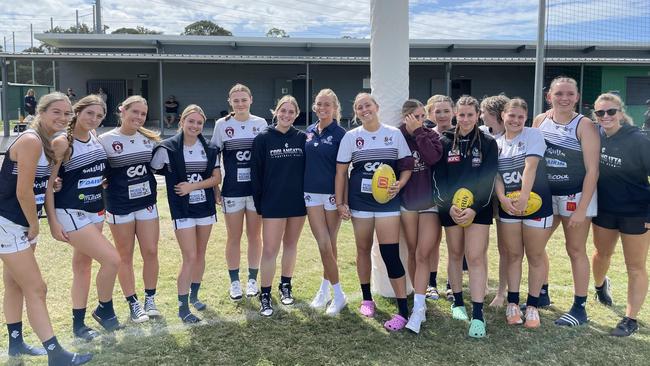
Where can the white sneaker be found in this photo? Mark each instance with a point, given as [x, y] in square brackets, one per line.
[320, 300]
[251, 288]
[417, 318]
[336, 305]
[235, 291]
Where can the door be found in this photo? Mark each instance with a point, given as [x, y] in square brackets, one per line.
[115, 93]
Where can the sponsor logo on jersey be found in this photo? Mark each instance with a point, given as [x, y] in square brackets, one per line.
[511, 177]
[453, 156]
[243, 155]
[146, 142]
[359, 142]
[557, 177]
[194, 177]
[371, 167]
[610, 161]
[388, 140]
[328, 140]
[89, 182]
[307, 198]
[555, 152]
[94, 169]
[136, 171]
[571, 206]
[230, 132]
[332, 199]
[256, 130]
[117, 147]
[555, 163]
[89, 198]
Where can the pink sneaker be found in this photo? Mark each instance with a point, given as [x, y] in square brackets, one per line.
[396, 323]
[367, 308]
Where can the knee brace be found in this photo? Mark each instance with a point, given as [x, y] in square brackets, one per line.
[390, 255]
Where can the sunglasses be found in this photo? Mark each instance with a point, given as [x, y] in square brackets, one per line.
[609, 112]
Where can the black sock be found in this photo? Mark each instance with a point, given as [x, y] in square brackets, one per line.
[601, 287]
[477, 310]
[458, 299]
[402, 307]
[544, 291]
[513, 297]
[432, 279]
[532, 301]
[285, 279]
[15, 331]
[183, 305]
[234, 274]
[78, 318]
[105, 309]
[194, 291]
[150, 292]
[365, 292]
[57, 355]
[266, 290]
[579, 304]
[448, 285]
[252, 273]
[131, 299]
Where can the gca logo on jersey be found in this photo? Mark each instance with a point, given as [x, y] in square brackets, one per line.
[509, 178]
[243, 155]
[371, 167]
[194, 177]
[136, 171]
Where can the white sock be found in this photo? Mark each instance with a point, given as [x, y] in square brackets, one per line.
[418, 301]
[325, 286]
[338, 292]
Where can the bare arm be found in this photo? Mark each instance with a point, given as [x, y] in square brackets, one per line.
[60, 146]
[340, 190]
[26, 152]
[590, 143]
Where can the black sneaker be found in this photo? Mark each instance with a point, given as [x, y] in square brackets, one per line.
[85, 333]
[285, 294]
[266, 309]
[604, 296]
[625, 328]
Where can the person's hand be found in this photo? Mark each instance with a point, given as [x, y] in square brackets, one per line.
[466, 216]
[58, 184]
[412, 123]
[217, 196]
[520, 204]
[32, 232]
[577, 218]
[344, 211]
[58, 233]
[507, 204]
[393, 189]
[455, 213]
[183, 188]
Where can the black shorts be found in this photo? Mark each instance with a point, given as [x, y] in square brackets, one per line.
[626, 225]
[483, 216]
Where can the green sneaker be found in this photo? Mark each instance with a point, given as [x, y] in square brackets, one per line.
[477, 328]
[459, 313]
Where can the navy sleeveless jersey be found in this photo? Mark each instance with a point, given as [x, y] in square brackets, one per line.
[235, 141]
[565, 168]
[320, 157]
[82, 177]
[10, 208]
[131, 184]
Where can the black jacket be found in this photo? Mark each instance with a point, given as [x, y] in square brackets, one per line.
[472, 166]
[623, 187]
[277, 173]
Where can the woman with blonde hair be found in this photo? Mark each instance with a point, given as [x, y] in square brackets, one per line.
[76, 214]
[131, 209]
[277, 174]
[22, 193]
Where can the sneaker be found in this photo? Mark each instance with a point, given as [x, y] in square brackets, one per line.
[286, 298]
[235, 291]
[417, 318]
[85, 333]
[625, 328]
[137, 314]
[320, 300]
[604, 296]
[336, 305]
[513, 314]
[532, 318]
[459, 313]
[150, 307]
[266, 308]
[432, 293]
[450, 295]
[251, 288]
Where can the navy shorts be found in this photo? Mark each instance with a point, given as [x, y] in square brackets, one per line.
[626, 225]
[483, 216]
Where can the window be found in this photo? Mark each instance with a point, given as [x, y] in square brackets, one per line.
[638, 90]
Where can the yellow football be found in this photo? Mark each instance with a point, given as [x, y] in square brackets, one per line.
[383, 178]
[533, 205]
[463, 198]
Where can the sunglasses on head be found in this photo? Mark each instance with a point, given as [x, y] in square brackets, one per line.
[610, 112]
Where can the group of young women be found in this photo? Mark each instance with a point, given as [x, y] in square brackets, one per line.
[276, 176]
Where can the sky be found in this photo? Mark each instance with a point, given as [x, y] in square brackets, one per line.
[578, 21]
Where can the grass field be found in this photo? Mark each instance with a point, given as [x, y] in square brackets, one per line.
[234, 333]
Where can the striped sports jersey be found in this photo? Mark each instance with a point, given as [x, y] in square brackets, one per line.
[366, 151]
[235, 141]
[565, 166]
[131, 184]
[10, 208]
[82, 177]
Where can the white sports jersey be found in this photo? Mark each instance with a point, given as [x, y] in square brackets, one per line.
[235, 141]
[366, 151]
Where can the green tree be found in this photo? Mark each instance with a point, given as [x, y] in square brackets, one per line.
[35, 49]
[136, 30]
[205, 28]
[83, 28]
[277, 33]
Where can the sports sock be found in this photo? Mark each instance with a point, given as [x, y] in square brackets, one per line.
[266, 290]
[458, 299]
[78, 318]
[252, 273]
[448, 285]
[234, 274]
[131, 299]
[433, 282]
[285, 279]
[365, 291]
[513, 297]
[150, 292]
[418, 301]
[17, 345]
[544, 290]
[477, 310]
[601, 287]
[194, 291]
[324, 285]
[532, 300]
[402, 307]
[183, 306]
[57, 355]
[338, 292]
[579, 304]
[105, 309]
